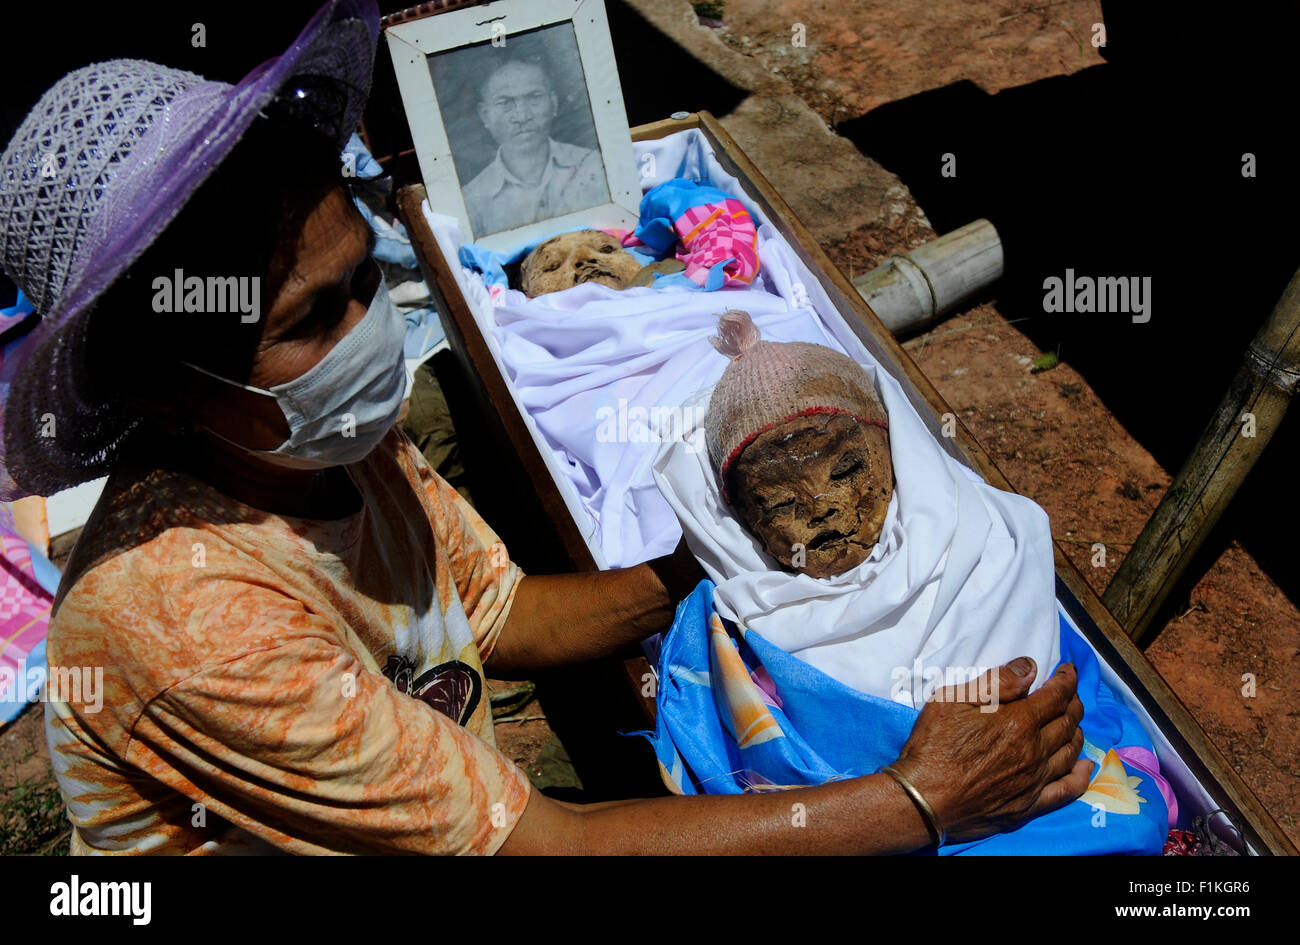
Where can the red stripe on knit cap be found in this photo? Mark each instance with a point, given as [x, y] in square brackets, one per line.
[807, 412]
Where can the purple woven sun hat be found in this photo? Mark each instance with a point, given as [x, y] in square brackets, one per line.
[102, 164]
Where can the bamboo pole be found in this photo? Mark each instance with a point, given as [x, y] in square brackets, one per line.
[1241, 427]
[913, 290]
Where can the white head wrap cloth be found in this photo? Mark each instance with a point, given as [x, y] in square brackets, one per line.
[961, 580]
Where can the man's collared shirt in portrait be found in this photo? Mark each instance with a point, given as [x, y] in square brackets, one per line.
[497, 200]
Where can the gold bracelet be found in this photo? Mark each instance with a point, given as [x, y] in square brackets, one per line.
[931, 818]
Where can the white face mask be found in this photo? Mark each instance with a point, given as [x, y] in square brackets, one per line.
[340, 409]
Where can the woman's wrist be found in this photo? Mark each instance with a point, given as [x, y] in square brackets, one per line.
[934, 791]
[938, 836]
[908, 831]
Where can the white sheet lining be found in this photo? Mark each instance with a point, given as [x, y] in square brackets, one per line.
[1193, 798]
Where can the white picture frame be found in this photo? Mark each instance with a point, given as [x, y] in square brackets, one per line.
[482, 106]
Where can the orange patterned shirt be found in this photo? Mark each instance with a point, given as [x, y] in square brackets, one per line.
[277, 683]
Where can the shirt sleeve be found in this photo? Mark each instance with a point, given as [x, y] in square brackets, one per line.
[302, 746]
[486, 579]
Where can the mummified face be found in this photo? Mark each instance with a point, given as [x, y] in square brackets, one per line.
[821, 483]
[574, 258]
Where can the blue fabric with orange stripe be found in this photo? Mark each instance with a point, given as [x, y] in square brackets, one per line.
[737, 714]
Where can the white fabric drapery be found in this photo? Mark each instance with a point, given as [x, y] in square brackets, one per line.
[614, 384]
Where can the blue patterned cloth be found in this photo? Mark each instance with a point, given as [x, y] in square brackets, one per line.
[737, 714]
[15, 314]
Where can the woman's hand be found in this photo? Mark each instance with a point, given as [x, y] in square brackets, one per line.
[679, 572]
[986, 770]
[564, 619]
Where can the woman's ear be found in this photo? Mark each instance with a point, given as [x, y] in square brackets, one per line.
[163, 401]
[184, 400]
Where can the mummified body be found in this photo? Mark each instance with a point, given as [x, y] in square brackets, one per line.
[801, 445]
[570, 259]
[821, 483]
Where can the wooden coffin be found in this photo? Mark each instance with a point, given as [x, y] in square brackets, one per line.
[539, 519]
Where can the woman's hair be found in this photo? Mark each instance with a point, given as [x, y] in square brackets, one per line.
[244, 221]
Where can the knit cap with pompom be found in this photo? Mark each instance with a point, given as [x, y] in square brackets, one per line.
[768, 382]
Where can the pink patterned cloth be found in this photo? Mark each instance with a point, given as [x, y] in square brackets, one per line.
[24, 617]
[712, 233]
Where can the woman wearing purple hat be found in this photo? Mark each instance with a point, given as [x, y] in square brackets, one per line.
[292, 612]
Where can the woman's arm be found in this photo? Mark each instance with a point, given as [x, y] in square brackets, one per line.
[981, 772]
[862, 815]
[563, 619]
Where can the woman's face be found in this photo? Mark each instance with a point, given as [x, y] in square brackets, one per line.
[814, 491]
[325, 294]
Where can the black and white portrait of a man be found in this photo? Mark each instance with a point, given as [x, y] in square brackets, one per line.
[520, 127]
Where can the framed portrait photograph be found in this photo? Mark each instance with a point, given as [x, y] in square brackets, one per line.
[517, 117]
